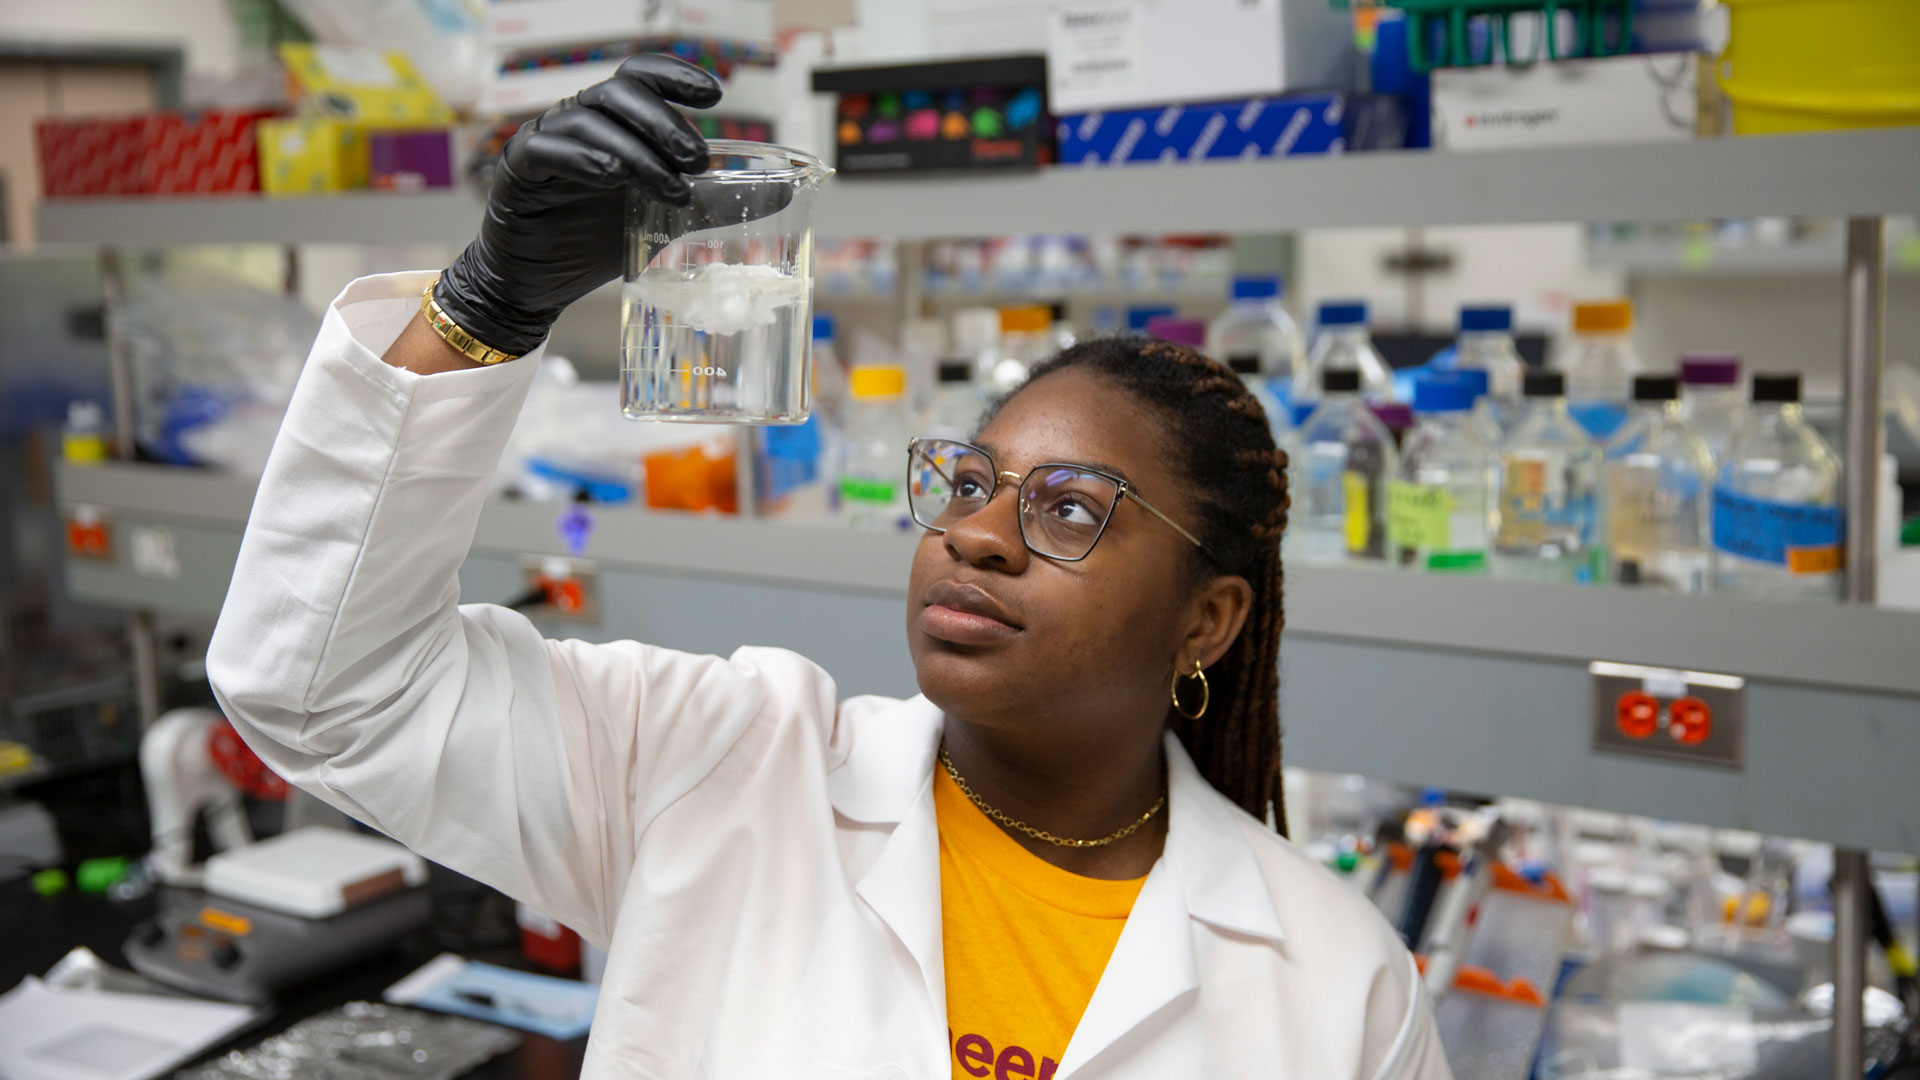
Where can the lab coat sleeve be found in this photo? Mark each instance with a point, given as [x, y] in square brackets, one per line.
[1416, 1053]
[344, 658]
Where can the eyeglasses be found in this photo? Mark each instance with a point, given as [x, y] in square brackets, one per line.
[1064, 508]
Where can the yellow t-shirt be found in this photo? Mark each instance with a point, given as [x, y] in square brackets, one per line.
[1025, 944]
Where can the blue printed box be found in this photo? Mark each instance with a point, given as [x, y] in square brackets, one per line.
[1321, 123]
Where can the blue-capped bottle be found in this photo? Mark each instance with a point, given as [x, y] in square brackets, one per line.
[1546, 491]
[1659, 475]
[1486, 344]
[1257, 328]
[1437, 502]
[1342, 343]
[1778, 526]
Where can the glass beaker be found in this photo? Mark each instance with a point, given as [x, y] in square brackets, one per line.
[717, 308]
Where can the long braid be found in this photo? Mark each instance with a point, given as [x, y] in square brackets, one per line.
[1226, 454]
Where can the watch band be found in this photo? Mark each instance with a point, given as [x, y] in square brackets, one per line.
[453, 334]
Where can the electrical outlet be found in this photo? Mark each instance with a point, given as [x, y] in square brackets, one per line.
[570, 587]
[1690, 716]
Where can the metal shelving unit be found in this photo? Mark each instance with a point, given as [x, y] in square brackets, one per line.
[1488, 686]
[1840, 174]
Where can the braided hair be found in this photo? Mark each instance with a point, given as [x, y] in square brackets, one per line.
[1224, 451]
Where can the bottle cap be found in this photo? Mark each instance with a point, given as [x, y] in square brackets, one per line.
[955, 371]
[1340, 381]
[1138, 316]
[1776, 387]
[1057, 310]
[822, 326]
[1256, 287]
[1245, 363]
[1486, 318]
[1395, 416]
[1343, 313]
[1027, 319]
[1543, 384]
[1603, 317]
[1442, 392]
[870, 383]
[1710, 369]
[1656, 387]
[1478, 378]
[1189, 332]
[975, 328]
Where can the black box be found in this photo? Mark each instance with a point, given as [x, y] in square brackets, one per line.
[951, 115]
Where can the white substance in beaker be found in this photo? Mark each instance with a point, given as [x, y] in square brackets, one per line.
[719, 298]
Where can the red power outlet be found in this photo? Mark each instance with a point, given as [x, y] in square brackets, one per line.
[1637, 714]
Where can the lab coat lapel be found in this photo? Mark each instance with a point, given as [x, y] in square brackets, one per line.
[1207, 876]
[887, 777]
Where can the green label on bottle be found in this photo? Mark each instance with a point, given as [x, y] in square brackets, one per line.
[1417, 515]
[855, 489]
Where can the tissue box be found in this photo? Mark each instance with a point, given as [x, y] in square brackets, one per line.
[371, 87]
[173, 153]
[410, 160]
[532, 24]
[1229, 130]
[307, 155]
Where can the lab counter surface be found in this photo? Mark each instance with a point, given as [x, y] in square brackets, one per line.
[40, 930]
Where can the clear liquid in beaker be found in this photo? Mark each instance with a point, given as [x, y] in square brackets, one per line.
[723, 343]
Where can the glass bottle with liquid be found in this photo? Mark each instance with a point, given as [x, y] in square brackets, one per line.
[1600, 365]
[1658, 477]
[1342, 462]
[1258, 326]
[1437, 502]
[1546, 492]
[1778, 525]
[873, 467]
[1711, 401]
[1343, 344]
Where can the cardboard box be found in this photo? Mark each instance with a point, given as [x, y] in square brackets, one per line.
[172, 153]
[1615, 99]
[989, 113]
[410, 160]
[367, 86]
[1228, 130]
[524, 85]
[312, 154]
[1110, 54]
[534, 24]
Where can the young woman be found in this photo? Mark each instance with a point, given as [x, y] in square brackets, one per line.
[1062, 860]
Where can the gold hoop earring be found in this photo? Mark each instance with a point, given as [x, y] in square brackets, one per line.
[1206, 695]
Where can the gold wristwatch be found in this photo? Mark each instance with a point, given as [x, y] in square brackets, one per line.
[455, 335]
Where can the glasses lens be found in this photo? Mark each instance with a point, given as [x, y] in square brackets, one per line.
[946, 481]
[1063, 510]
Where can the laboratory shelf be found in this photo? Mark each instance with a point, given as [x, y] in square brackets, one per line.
[1669, 257]
[1826, 174]
[1473, 685]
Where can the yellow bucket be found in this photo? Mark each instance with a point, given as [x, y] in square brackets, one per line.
[1817, 65]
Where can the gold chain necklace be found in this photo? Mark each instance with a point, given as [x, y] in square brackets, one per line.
[1042, 834]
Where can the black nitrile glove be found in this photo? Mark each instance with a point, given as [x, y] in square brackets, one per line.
[555, 223]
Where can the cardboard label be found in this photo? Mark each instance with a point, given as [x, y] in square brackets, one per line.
[1095, 48]
[1417, 515]
[1802, 537]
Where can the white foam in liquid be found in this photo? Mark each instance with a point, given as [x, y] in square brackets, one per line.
[719, 298]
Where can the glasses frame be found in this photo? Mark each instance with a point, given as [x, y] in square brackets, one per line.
[1125, 491]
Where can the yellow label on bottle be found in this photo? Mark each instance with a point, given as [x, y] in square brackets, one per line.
[1417, 515]
[1359, 512]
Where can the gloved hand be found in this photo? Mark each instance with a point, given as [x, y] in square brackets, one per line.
[555, 221]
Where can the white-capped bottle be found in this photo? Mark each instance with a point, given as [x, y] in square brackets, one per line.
[873, 469]
[1344, 457]
[954, 412]
[1437, 503]
[1600, 364]
[1343, 344]
[1778, 525]
[1546, 491]
[1711, 400]
[1257, 326]
[1658, 479]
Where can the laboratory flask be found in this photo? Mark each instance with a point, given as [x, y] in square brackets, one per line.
[717, 307]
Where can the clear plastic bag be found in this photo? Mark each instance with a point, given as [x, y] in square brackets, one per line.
[364, 1041]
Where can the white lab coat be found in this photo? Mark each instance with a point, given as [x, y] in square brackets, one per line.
[759, 858]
